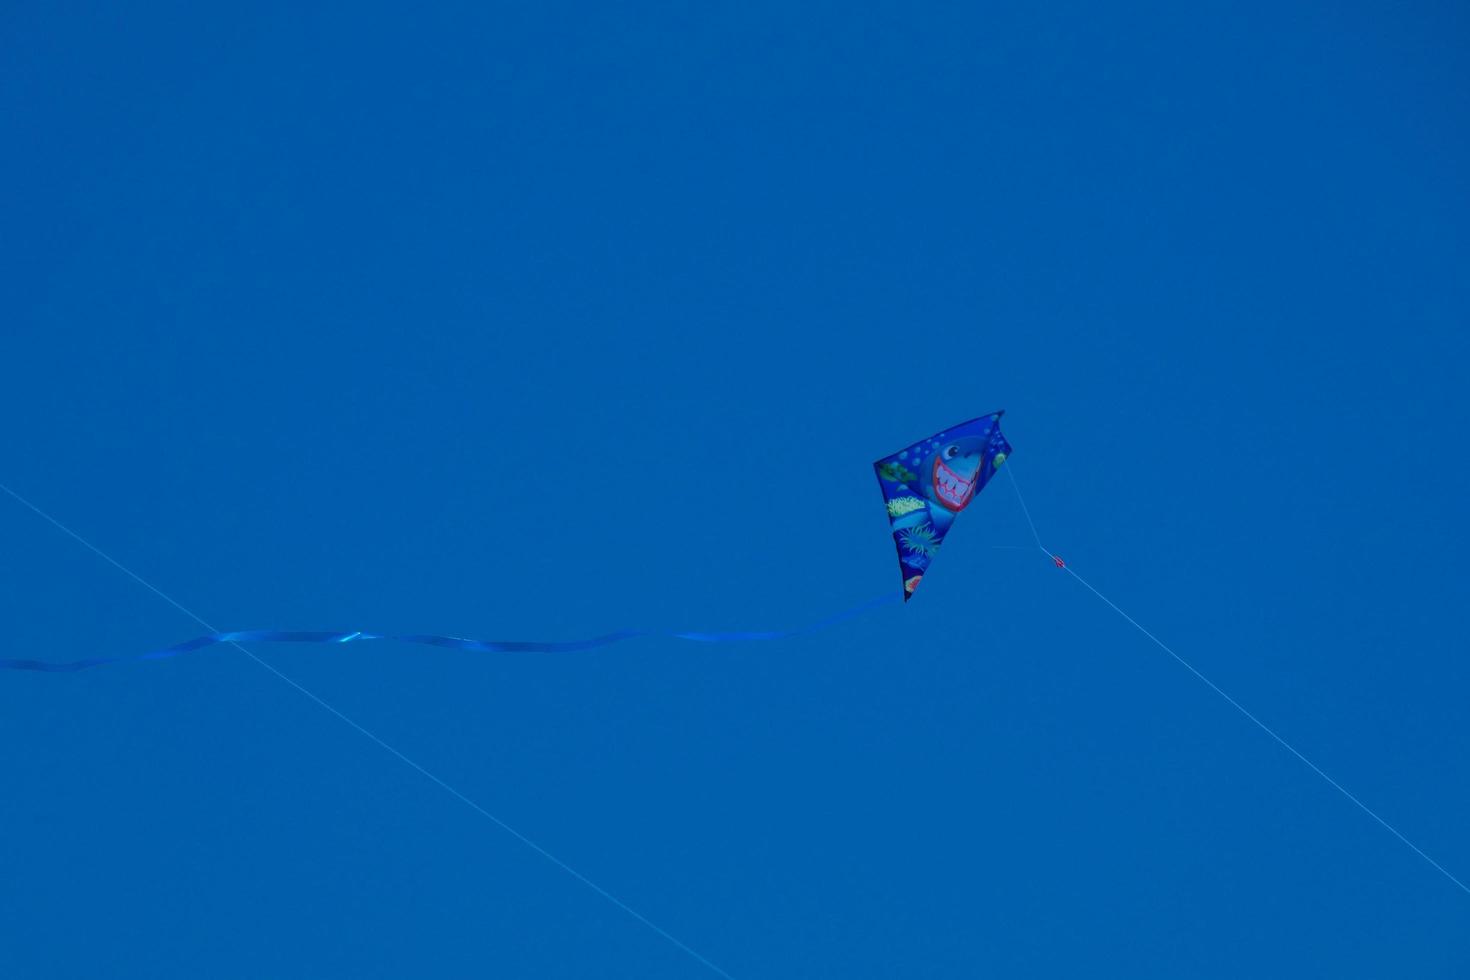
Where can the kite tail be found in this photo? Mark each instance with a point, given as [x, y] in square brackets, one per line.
[437, 640]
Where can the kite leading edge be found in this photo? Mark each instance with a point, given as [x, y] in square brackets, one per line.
[930, 482]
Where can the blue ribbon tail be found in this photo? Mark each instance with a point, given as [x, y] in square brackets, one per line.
[438, 640]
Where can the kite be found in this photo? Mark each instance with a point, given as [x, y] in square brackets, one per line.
[924, 487]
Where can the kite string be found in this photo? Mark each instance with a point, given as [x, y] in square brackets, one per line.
[1230, 700]
[375, 738]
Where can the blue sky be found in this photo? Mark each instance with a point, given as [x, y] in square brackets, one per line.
[536, 322]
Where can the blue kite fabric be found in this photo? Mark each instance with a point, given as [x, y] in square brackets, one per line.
[930, 482]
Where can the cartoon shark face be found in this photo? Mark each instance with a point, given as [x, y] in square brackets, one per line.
[949, 477]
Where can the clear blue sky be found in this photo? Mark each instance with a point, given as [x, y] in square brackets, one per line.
[534, 321]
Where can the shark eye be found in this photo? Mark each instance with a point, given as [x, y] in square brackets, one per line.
[950, 452]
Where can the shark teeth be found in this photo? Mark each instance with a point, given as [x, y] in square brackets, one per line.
[953, 489]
